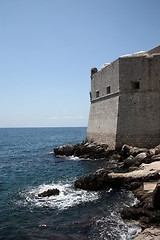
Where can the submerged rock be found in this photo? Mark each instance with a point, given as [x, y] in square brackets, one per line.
[49, 192]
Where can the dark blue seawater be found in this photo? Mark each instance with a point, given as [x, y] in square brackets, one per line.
[28, 167]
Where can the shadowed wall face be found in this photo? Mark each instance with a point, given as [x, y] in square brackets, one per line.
[139, 112]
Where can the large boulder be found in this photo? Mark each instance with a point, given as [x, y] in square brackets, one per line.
[65, 150]
[141, 158]
[93, 182]
[98, 181]
[126, 149]
[137, 160]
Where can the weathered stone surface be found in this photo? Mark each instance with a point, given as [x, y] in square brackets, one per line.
[133, 150]
[149, 186]
[157, 149]
[49, 192]
[152, 233]
[144, 171]
[141, 156]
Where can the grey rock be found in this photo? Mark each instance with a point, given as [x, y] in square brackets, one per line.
[133, 150]
[67, 150]
[128, 162]
[49, 192]
[157, 149]
[155, 158]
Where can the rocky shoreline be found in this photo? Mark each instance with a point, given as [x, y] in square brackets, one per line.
[132, 168]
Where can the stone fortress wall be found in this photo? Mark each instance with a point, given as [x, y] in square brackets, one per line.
[125, 101]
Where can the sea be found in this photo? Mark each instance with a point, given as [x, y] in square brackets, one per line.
[28, 167]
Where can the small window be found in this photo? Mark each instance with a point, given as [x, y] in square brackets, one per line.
[108, 90]
[135, 85]
[97, 94]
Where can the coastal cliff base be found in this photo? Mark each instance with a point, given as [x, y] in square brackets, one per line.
[132, 168]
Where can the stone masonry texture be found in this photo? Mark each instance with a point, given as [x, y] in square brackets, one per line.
[125, 99]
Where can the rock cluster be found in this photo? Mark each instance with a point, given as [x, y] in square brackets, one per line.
[102, 179]
[132, 168]
[83, 150]
[145, 211]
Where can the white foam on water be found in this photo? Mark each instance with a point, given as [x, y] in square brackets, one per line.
[133, 229]
[113, 227]
[73, 158]
[68, 197]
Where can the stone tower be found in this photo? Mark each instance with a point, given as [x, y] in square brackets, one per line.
[125, 101]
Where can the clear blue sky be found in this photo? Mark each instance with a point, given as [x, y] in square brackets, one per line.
[47, 48]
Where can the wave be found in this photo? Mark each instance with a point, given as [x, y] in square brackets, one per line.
[73, 158]
[68, 197]
[113, 227]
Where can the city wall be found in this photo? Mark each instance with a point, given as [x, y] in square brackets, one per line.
[139, 112]
[125, 102]
[102, 125]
